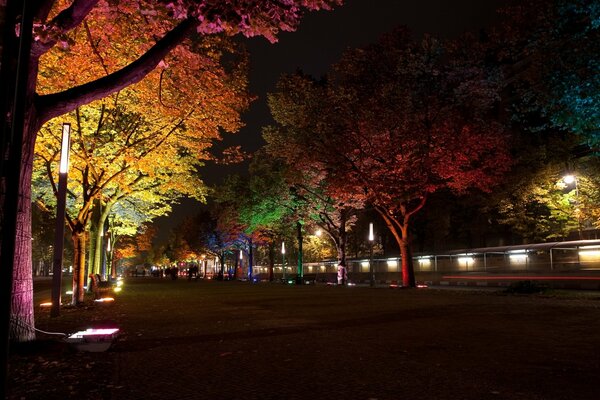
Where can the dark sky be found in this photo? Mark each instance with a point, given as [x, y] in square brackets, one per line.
[319, 42]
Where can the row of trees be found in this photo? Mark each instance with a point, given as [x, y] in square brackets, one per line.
[124, 42]
[487, 124]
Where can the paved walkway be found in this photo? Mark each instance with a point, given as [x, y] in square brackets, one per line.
[233, 340]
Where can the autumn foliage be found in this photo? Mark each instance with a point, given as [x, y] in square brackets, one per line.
[126, 60]
[393, 123]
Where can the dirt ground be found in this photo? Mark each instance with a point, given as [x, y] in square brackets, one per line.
[236, 340]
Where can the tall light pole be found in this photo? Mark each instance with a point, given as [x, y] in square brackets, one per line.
[108, 255]
[241, 262]
[283, 259]
[300, 276]
[371, 240]
[61, 200]
[569, 179]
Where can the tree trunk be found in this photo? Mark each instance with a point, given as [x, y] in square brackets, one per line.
[22, 315]
[21, 326]
[78, 237]
[408, 272]
[401, 234]
[95, 239]
[250, 260]
[341, 244]
[100, 214]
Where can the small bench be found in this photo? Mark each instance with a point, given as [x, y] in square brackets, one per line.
[98, 286]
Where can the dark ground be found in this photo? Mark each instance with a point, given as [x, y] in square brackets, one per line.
[234, 340]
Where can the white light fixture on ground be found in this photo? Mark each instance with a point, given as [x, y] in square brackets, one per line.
[94, 340]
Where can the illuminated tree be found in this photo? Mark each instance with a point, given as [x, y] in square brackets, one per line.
[552, 53]
[397, 121]
[264, 207]
[171, 23]
[115, 156]
[307, 172]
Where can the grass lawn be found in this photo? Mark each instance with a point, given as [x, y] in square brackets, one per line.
[236, 340]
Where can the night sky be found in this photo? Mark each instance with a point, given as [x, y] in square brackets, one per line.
[319, 42]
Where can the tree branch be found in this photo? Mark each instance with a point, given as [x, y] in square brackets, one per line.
[53, 105]
[66, 20]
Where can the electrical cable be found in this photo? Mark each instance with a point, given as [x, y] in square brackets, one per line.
[24, 325]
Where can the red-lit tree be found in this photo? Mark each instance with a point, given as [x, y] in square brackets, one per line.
[397, 121]
[175, 21]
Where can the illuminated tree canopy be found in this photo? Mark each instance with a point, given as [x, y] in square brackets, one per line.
[397, 121]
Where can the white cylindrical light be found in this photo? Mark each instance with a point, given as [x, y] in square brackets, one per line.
[241, 255]
[282, 247]
[568, 179]
[64, 149]
[371, 235]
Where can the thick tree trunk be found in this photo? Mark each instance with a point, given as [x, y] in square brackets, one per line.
[401, 234]
[21, 327]
[78, 237]
[22, 315]
[100, 214]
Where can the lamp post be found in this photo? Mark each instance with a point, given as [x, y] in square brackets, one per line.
[283, 259]
[108, 255]
[241, 262]
[569, 179]
[61, 199]
[300, 276]
[371, 269]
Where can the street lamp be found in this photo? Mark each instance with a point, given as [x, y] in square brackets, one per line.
[569, 179]
[300, 275]
[61, 200]
[371, 240]
[283, 259]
